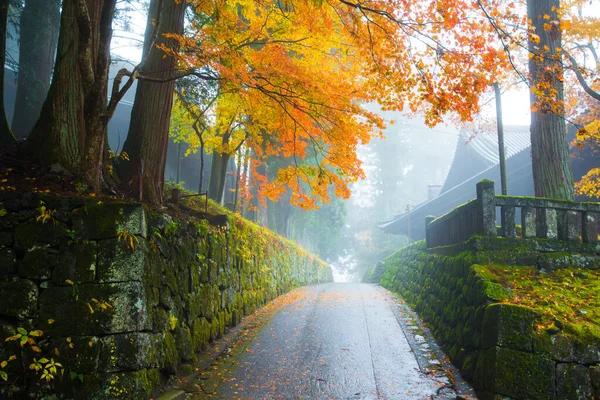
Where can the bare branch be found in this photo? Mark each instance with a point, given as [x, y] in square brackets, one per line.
[581, 79]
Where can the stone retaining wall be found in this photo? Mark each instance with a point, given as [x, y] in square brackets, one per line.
[123, 297]
[495, 344]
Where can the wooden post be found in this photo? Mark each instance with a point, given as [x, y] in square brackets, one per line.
[501, 151]
[486, 208]
[175, 196]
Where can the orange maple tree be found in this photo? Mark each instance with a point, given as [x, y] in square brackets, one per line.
[293, 75]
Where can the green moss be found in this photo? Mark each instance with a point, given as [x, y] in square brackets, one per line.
[518, 374]
[569, 295]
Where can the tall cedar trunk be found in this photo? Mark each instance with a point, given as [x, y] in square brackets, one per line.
[218, 174]
[73, 123]
[40, 23]
[59, 134]
[6, 135]
[148, 136]
[551, 163]
[96, 118]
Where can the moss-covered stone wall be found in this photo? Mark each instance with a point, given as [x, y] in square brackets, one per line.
[505, 349]
[123, 297]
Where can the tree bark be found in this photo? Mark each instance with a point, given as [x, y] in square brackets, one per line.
[40, 24]
[6, 135]
[218, 173]
[148, 135]
[59, 134]
[551, 162]
[73, 123]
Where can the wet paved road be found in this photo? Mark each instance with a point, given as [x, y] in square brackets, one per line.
[338, 341]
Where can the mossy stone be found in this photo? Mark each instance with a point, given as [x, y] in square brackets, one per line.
[32, 234]
[160, 319]
[183, 339]
[6, 238]
[201, 330]
[19, 298]
[83, 357]
[104, 221]
[119, 263]
[594, 373]
[78, 265]
[121, 385]
[38, 263]
[519, 375]
[171, 360]
[508, 325]
[573, 382]
[8, 261]
[128, 310]
[131, 351]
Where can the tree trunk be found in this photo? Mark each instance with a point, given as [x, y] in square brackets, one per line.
[6, 136]
[59, 134]
[40, 23]
[73, 123]
[218, 173]
[148, 136]
[551, 163]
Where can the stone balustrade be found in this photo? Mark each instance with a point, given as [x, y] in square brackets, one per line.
[540, 218]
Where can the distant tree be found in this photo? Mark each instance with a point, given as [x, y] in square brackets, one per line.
[6, 135]
[39, 27]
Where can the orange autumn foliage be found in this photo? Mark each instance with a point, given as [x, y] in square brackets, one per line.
[293, 75]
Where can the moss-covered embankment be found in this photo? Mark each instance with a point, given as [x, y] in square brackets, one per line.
[522, 332]
[123, 297]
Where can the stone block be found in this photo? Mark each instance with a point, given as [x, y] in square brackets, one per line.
[594, 373]
[82, 357]
[119, 263]
[171, 360]
[120, 385]
[508, 325]
[78, 265]
[8, 261]
[38, 263]
[518, 374]
[32, 234]
[19, 298]
[127, 309]
[183, 339]
[573, 382]
[131, 351]
[6, 238]
[160, 320]
[104, 221]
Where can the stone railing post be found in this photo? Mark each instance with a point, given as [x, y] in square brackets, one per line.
[508, 221]
[486, 208]
[589, 225]
[528, 222]
[548, 223]
[428, 238]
